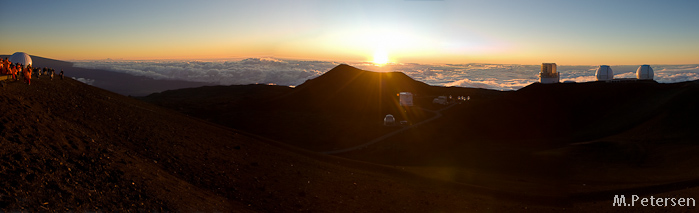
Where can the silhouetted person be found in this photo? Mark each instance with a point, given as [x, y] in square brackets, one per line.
[28, 75]
[61, 74]
[4, 68]
[20, 70]
[51, 74]
[12, 71]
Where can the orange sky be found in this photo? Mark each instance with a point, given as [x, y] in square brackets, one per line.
[408, 31]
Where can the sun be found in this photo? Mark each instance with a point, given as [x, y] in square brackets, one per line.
[380, 57]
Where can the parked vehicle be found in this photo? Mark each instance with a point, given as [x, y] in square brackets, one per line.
[440, 100]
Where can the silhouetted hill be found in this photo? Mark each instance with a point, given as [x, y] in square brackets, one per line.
[202, 101]
[586, 141]
[567, 113]
[348, 89]
[343, 107]
[68, 146]
[560, 130]
[356, 96]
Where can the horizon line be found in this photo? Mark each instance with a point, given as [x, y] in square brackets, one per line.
[240, 58]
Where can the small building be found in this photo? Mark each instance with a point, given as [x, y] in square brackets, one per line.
[604, 73]
[389, 120]
[441, 100]
[549, 74]
[644, 72]
[406, 99]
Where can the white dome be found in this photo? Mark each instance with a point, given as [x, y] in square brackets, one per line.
[644, 72]
[389, 120]
[22, 58]
[604, 73]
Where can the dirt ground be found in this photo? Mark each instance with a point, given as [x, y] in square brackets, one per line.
[67, 146]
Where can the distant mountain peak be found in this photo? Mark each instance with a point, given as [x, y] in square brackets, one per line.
[344, 68]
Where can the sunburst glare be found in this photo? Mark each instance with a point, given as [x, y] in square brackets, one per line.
[380, 57]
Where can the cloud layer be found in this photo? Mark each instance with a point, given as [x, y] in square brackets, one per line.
[295, 72]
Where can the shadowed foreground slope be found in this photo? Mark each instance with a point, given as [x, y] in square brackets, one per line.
[540, 117]
[70, 146]
[582, 143]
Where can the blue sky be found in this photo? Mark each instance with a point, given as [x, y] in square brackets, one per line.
[523, 32]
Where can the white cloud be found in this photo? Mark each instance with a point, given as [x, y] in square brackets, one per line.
[248, 71]
[580, 79]
[295, 72]
[677, 77]
[85, 80]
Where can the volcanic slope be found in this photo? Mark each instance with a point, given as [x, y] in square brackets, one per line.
[593, 139]
[342, 108]
[583, 143]
[543, 116]
[70, 146]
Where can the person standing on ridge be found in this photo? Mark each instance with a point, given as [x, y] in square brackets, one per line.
[28, 75]
[19, 69]
[61, 74]
[2, 66]
[11, 70]
[3, 69]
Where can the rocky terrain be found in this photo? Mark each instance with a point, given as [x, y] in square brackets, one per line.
[68, 146]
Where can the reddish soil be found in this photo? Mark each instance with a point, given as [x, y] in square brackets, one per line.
[68, 146]
[583, 143]
[71, 146]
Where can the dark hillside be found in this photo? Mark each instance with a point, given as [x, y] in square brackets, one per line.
[211, 101]
[350, 90]
[586, 141]
[569, 131]
[554, 115]
[341, 108]
[68, 146]
[577, 112]
[347, 89]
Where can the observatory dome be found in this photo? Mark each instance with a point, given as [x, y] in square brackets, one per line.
[604, 73]
[389, 120]
[549, 74]
[644, 72]
[22, 58]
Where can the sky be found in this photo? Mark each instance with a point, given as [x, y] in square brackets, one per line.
[591, 32]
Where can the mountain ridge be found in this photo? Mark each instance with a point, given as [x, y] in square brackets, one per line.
[350, 104]
[73, 147]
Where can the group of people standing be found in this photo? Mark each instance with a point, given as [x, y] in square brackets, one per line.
[18, 70]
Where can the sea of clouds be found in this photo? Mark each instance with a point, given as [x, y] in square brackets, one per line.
[295, 72]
